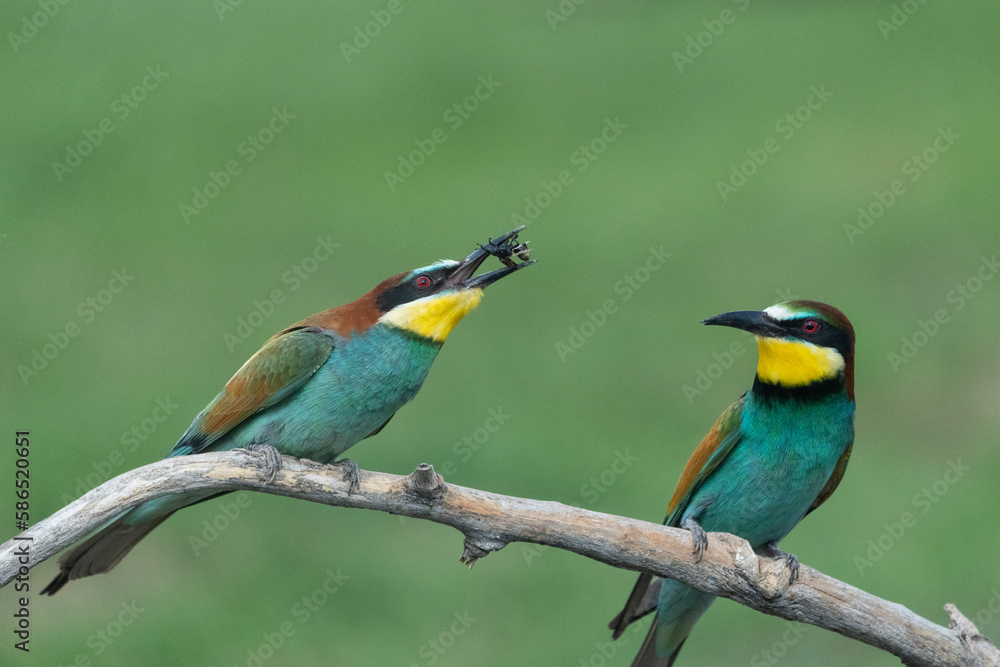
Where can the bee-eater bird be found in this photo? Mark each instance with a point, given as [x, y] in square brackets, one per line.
[315, 388]
[773, 457]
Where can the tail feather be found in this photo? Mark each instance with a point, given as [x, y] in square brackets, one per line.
[641, 601]
[673, 656]
[647, 657]
[679, 608]
[102, 552]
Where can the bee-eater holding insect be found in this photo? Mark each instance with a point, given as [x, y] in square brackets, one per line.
[315, 389]
[773, 457]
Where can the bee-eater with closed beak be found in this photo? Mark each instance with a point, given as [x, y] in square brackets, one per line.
[772, 458]
[315, 388]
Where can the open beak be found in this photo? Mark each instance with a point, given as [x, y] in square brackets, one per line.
[462, 275]
[753, 321]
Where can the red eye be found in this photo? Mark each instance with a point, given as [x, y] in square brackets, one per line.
[423, 281]
[810, 326]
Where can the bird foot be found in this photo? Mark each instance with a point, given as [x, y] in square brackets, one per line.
[271, 459]
[698, 536]
[351, 474]
[771, 550]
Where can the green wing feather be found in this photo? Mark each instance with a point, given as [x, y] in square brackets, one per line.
[716, 445]
[714, 448]
[277, 370]
[834, 481]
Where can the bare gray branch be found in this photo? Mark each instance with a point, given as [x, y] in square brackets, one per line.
[729, 567]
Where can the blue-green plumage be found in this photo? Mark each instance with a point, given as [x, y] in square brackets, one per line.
[770, 459]
[358, 388]
[363, 382]
[314, 389]
[782, 455]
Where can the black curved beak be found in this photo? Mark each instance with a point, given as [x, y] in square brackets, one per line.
[462, 275]
[754, 321]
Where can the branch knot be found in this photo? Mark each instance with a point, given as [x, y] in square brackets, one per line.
[971, 637]
[479, 546]
[426, 483]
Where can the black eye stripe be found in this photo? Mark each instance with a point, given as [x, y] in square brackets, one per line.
[408, 290]
[825, 334]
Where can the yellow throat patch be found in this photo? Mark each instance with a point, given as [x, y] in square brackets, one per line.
[434, 316]
[795, 363]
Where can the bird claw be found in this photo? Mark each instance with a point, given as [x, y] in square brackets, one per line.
[771, 550]
[351, 474]
[698, 536]
[271, 462]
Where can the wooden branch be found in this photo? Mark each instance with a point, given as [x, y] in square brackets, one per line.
[490, 521]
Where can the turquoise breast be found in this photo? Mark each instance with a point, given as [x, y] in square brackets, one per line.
[364, 382]
[786, 453]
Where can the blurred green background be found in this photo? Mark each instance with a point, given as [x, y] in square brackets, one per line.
[224, 72]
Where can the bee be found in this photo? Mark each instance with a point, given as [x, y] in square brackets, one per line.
[505, 249]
